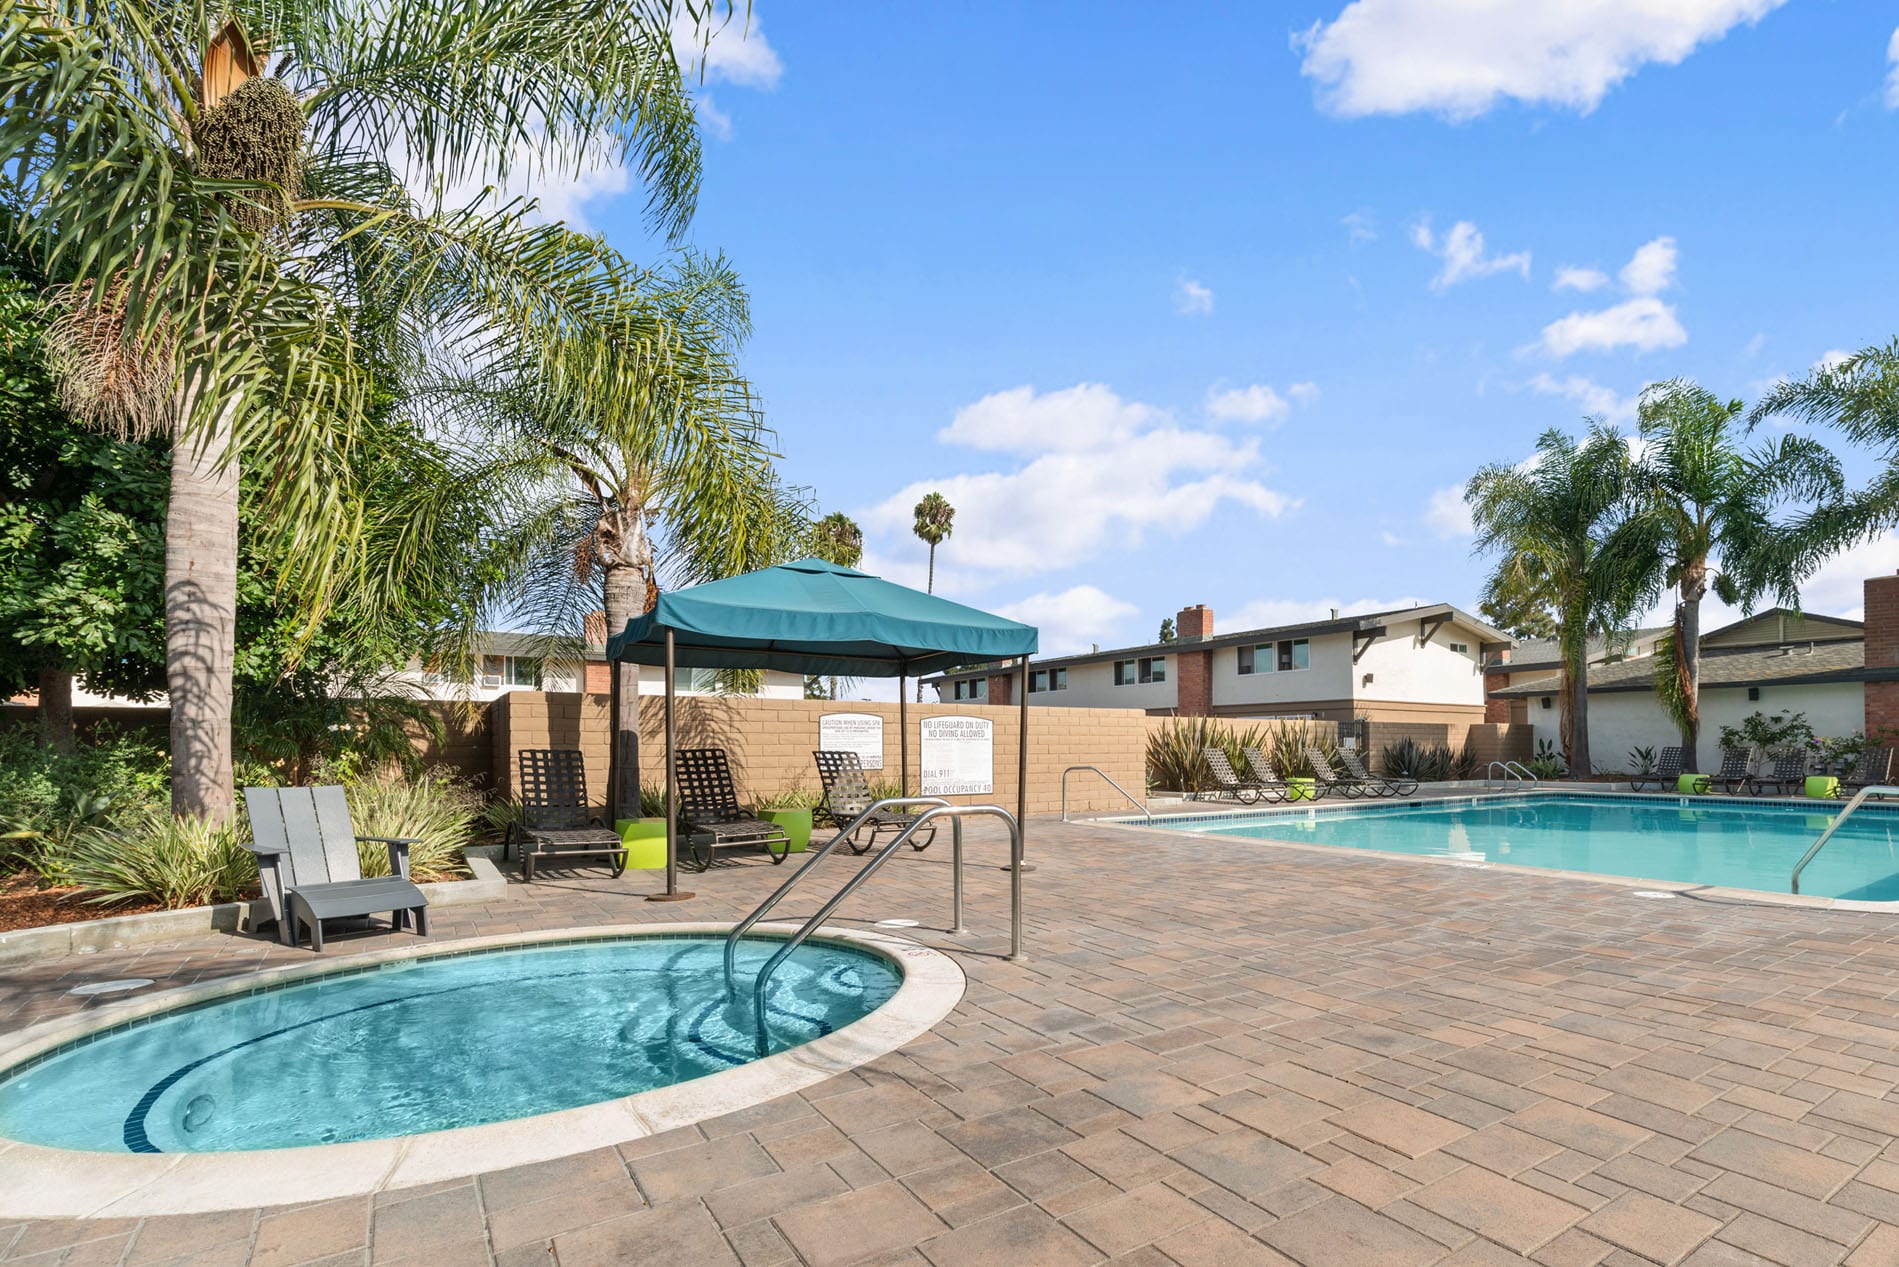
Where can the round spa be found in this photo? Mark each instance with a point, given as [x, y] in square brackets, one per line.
[426, 1063]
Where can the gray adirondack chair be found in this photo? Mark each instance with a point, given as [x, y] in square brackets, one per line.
[306, 858]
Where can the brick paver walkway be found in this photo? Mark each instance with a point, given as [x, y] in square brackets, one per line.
[1214, 1053]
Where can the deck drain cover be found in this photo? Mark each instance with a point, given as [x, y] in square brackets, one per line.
[896, 923]
[1654, 895]
[112, 987]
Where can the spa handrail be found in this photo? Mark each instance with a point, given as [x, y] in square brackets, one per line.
[1859, 798]
[1111, 783]
[798, 876]
[954, 812]
[1512, 771]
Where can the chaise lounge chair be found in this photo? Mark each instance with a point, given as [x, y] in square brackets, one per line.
[1379, 784]
[847, 795]
[1325, 776]
[1667, 771]
[1872, 769]
[1736, 775]
[1266, 773]
[556, 820]
[307, 861]
[1790, 773]
[1247, 790]
[709, 813]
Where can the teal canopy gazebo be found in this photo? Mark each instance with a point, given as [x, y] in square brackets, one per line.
[814, 617]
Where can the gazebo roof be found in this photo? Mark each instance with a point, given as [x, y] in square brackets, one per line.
[816, 617]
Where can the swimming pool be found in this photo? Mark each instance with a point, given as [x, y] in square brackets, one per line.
[428, 1044]
[1691, 840]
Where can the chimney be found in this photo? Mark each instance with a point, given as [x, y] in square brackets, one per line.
[1882, 652]
[593, 629]
[1194, 622]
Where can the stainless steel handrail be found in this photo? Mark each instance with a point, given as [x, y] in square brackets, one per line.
[954, 812]
[810, 864]
[1508, 773]
[1524, 771]
[1859, 798]
[1111, 783]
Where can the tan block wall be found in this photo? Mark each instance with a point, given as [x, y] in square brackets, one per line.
[1491, 741]
[770, 743]
[466, 748]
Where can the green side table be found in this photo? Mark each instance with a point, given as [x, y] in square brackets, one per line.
[1693, 784]
[1823, 787]
[1301, 790]
[797, 825]
[645, 843]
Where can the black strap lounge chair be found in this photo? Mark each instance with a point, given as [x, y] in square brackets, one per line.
[1789, 774]
[1667, 771]
[1326, 777]
[1246, 789]
[847, 795]
[1873, 768]
[1380, 784]
[709, 813]
[1266, 774]
[306, 858]
[1735, 777]
[556, 820]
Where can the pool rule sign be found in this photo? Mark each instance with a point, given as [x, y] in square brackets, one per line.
[861, 733]
[959, 756]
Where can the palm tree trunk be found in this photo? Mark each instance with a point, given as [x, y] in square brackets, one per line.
[1579, 765]
[1694, 583]
[56, 708]
[929, 587]
[201, 616]
[625, 599]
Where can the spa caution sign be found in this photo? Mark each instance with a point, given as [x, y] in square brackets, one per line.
[959, 756]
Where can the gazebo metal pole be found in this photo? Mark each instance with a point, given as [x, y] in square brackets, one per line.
[903, 734]
[613, 741]
[672, 893]
[1022, 765]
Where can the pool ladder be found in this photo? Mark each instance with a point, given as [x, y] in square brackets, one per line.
[1145, 813]
[1859, 798]
[938, 808]
[1513, 772]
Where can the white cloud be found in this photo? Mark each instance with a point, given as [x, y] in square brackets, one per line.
[1570, 277]
[731, 50]
[1644, 323]
[1101, 473]
[1392, 539]
[1257, 403]
[1073, 620]
[1447, 515]
[1191, 299]
[1596, 400]
[1831, 358]
[558, 183]
[1460, 60]
[1463, 253]
[1892, 77]
[715, 121]
[1271, 612]
[1304, 393]
[1651, 270]
[1362, 226]
[1754, 345]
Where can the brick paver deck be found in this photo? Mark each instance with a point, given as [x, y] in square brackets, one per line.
[1214, 1053]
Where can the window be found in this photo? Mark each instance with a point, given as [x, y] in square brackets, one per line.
[1048, 680]
[699, 681]
[976, 689]
[1151, 669]
[1294, 653]
[1461, 648]
[1258, 659]
[524, 671]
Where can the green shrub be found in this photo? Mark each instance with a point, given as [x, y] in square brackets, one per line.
[1547, 763]
[1176, 759]
[439, 815]
[176, 862]
[1642, 759]
[790, 798]
[1291, 739]
[1464, 764]
[1427, 763]
[47, 798]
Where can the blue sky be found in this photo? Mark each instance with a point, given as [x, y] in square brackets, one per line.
[1222, 303]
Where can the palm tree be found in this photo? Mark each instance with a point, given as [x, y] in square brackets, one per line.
[1553, 521]
[934, 515]
[226, 220]
[595, 508]
[1706, 510]
[1859, 397]
[836, 538]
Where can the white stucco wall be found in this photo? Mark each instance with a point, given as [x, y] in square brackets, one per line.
[1620, 720]
[1092, 686]
[1326, 677]
[1402, 671]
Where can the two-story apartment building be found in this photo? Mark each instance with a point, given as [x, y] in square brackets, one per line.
[1419, 664]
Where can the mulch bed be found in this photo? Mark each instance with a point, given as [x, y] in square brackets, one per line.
[24, 904]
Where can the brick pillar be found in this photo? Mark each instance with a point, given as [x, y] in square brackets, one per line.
[1194, 622]
[597, 679]
[1882, 652]
[1496, 709]
[1193, 670]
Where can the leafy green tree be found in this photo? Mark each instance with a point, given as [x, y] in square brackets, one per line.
[223, 226]
[1167, 629]
[1553, 521]
[81, 540]
[1519, 605]
[1705, 510]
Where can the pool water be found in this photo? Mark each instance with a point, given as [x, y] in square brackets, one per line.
[429, 1044]
[1740, 844]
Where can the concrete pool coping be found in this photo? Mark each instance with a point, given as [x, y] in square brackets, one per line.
[42, 1182]
[1671, 888]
